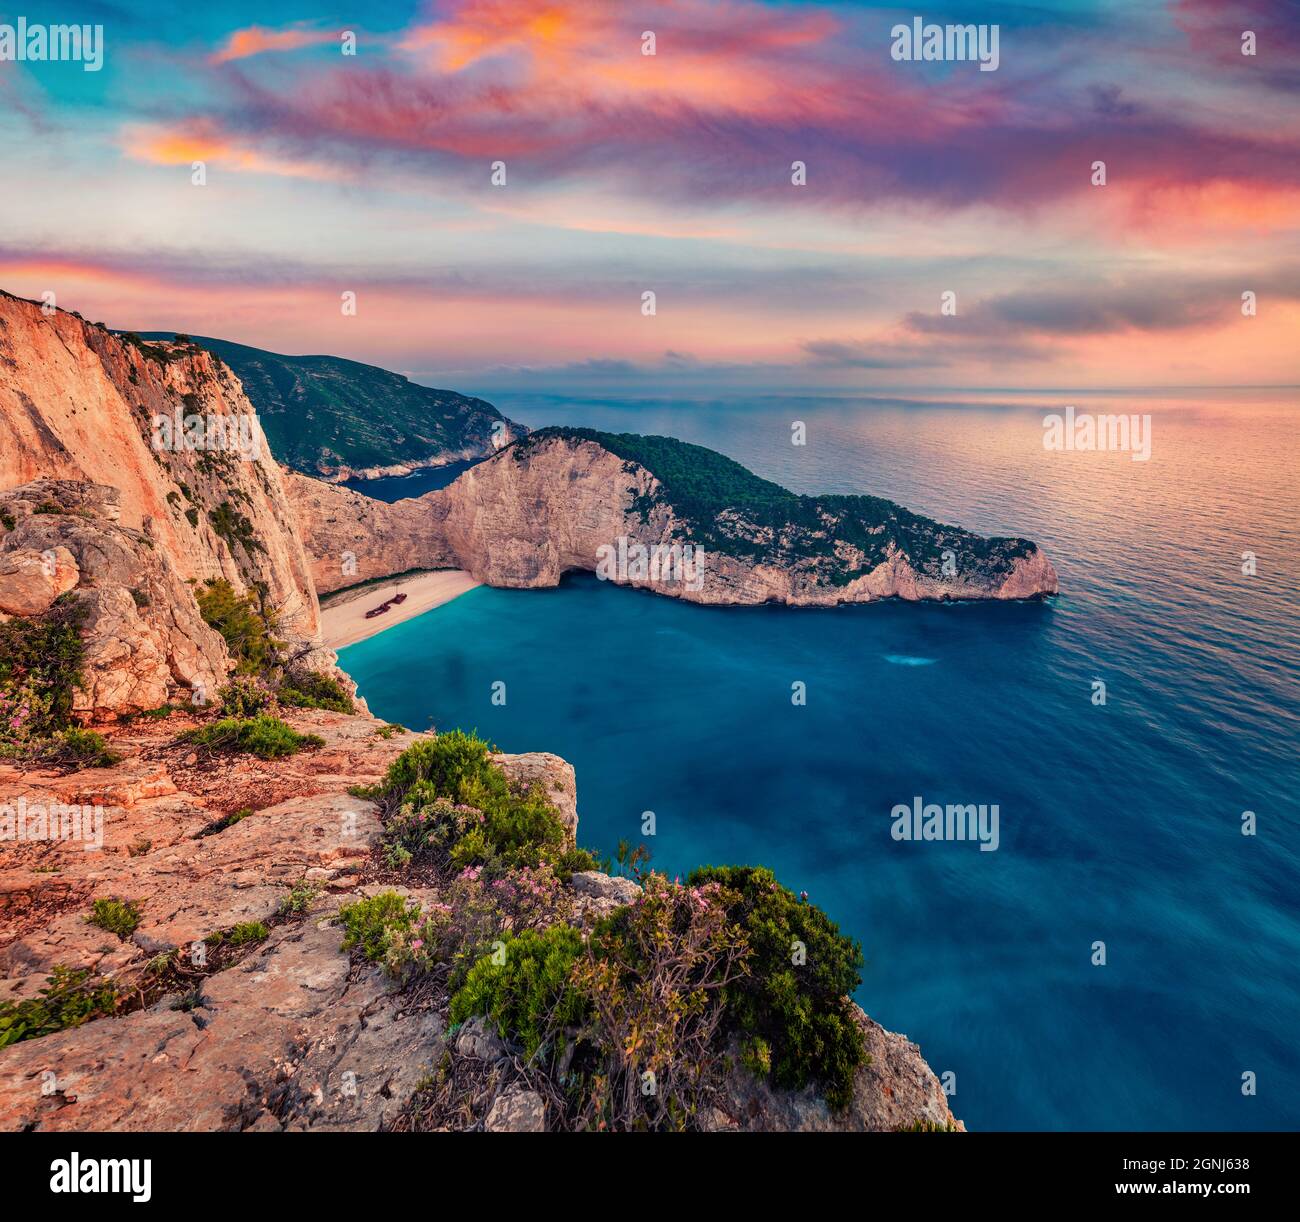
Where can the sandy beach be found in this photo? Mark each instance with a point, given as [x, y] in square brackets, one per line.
[343, 620]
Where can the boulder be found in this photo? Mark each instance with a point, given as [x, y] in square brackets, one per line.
[517, 1111]
[30, 581]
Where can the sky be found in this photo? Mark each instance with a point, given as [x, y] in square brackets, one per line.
[627, 173]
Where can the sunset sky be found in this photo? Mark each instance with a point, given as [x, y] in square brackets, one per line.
[671, 173]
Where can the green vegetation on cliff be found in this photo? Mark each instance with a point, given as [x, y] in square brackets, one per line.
[669, 989]
[732, 511]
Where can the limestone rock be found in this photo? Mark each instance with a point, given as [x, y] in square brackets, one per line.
[30, 581]
[553, 776]
[478, 1038]
[284, 1040]
[894, 1091]
[517, 1111]
[79, 404]
[606, 887]
[536, 511]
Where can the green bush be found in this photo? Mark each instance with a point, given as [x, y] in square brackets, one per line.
[368, 922]
[436, 779]
[68, 1001]
[80, 749]
[162, 712]
[456, 764]
[121, 917]
[245, 627]
[264, 736]
[529, 995]
[243, 696]
[795, 1016]
[233, 526]
[311, 689]
[40, 661]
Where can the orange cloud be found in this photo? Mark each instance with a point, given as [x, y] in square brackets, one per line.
[717, 55]
[257, 39]
[203, 140]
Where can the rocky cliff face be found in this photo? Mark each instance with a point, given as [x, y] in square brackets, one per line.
[560, 501]
[145, 640]
[78, 403]
[284, 1030]
[352, 538]
[132, 473]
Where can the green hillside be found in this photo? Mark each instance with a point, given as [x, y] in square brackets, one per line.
[323, 413]
[735, 512]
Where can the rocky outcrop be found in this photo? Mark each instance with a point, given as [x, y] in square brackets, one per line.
[894, 1090]
[561, 501]
[352, 538]
[170, 428]
[290, 1037]
[145, 641]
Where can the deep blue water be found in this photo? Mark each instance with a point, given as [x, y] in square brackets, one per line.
[401, 487]
[1118, 823]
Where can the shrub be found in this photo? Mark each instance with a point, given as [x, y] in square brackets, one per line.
[24, 713]
[121, 917]
[369, 923]
[455, 764]
[244, 626]
[311, 689]
[427, 826]
[438, 779]
[657, 977]
[40, 661]
[243, 696]
[795, 1016]
[80, 749]
[233, 526]
[68, 1001]
[264, 736]
[527, 991]
[471, 914]
[162, 712]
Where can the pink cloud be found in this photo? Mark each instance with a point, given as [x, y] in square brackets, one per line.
[256, 40]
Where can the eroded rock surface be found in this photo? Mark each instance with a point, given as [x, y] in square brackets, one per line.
[293, 1036]
[549, 505]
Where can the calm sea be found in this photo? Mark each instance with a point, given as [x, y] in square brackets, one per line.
[1120, 824]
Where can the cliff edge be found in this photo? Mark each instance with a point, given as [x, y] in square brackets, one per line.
[662, 515]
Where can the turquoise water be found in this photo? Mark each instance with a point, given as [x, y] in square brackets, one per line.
[1118, 823]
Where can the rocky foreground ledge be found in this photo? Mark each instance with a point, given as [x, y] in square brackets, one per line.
[290, 1032]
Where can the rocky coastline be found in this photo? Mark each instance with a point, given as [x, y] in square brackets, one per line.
[195, 804]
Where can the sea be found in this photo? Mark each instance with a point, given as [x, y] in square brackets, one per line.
[1128, 957]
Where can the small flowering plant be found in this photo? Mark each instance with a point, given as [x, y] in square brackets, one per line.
[470, 914]
[22, 714]
[427, 826]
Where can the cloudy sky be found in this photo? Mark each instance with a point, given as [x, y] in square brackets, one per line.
[671, 173]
